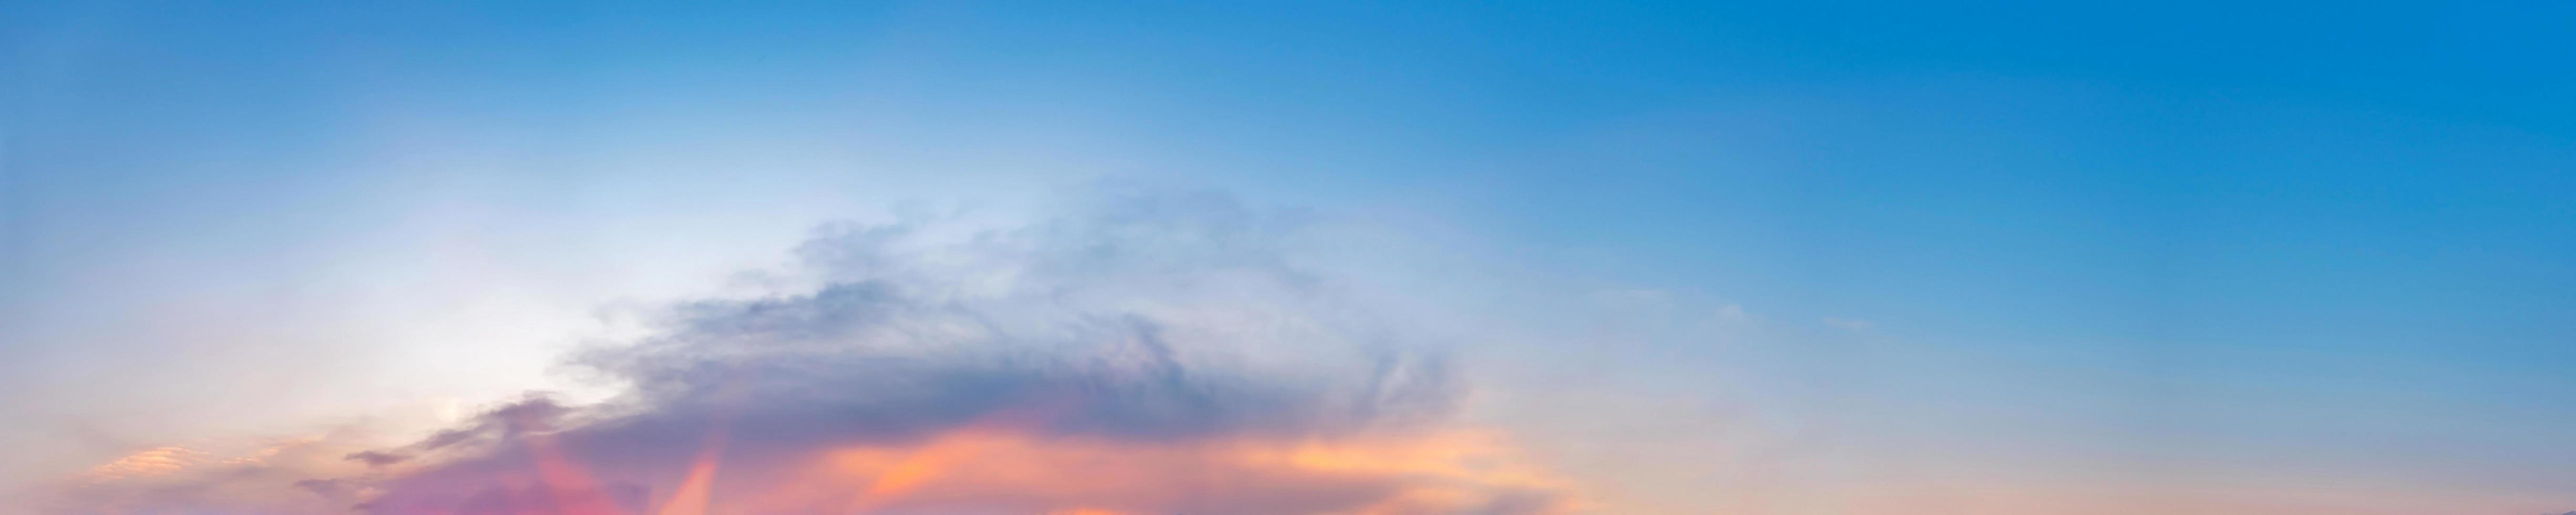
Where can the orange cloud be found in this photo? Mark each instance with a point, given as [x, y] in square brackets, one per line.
[244, 477]
[155, 462]
[1448, 472]
[985, 467]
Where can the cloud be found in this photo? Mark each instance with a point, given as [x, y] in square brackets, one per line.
[1145, 353]
[261, 477]
[378, 458]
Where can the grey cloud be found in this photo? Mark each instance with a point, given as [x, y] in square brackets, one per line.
[378, 458]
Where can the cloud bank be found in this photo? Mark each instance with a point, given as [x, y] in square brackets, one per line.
[1138, 353]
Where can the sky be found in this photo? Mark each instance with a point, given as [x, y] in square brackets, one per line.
[1326, 257]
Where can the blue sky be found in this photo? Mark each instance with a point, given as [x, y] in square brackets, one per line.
[2300, 248]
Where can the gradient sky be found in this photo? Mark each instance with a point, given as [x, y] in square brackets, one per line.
[1793, 257]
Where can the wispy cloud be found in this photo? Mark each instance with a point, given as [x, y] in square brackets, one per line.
[1147, 353]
